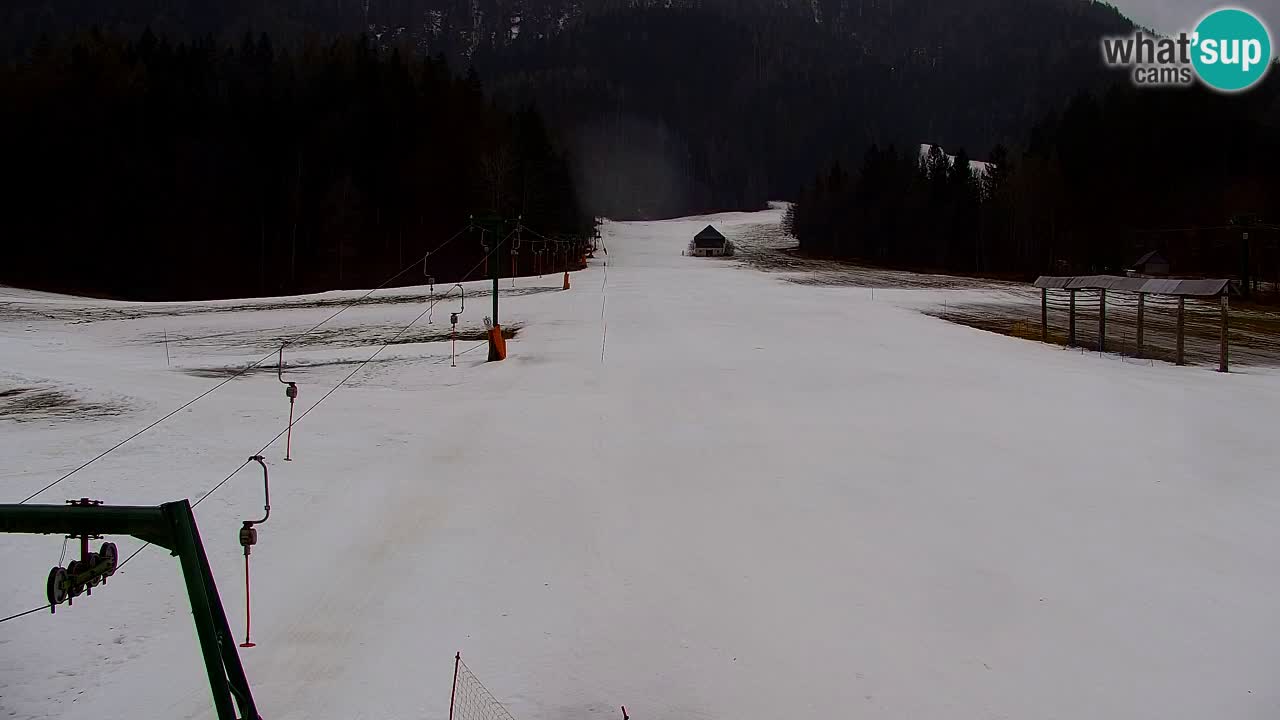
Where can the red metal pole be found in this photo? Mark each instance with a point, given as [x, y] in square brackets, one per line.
[453, 692]
[246, 643]
[288, 442]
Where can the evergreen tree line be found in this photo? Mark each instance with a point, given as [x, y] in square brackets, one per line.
[1088, 190]
[684, 107]
[678, 106]
[150, 169]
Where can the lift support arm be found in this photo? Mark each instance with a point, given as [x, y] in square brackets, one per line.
[171, 526]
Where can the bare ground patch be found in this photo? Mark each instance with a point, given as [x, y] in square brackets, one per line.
[374, 336]
[343, 337]
[767, 247]
[30, 404]
[1013, 308]
[1253, 331]
[78, 313]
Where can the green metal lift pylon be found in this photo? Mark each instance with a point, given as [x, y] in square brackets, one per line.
[496, 225]
[172, 527]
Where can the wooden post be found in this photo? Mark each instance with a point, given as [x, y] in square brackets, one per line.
[1181, 313]
[1142, 302]
[1222, 349]
[1245, 280]
[1044, 315]
[1102, 320]
[1071, 321]
[453, 693]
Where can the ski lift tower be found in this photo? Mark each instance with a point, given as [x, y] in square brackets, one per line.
[172, 527]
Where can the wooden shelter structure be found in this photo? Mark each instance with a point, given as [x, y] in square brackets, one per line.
[1141, 287]
[709, 243]
[1152, 263]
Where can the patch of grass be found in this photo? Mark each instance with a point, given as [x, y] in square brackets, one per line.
[372, 336]
[27, 404]
[1254, 340]
[76, 314]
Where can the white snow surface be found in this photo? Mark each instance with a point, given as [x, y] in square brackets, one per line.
[977, 166]
[769, 500]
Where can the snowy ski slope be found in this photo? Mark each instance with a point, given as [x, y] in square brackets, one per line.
[769, 500]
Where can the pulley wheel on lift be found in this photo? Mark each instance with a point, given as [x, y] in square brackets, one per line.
[108, 552]
[93, 563]
[74, 568]
[56, 589]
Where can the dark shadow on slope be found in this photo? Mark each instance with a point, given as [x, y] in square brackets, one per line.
[30, 404]
[426, 336]
[340, 337]
[75, 314]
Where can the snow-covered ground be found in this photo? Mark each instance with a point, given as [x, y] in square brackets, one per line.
[977, 166]
[768, 500]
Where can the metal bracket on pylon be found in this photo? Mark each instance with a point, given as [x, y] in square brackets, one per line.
[291, 392]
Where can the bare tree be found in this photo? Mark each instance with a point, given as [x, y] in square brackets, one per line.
[495, 174]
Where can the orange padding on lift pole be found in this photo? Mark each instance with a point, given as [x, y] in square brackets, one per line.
[566, 280]
[497, 344]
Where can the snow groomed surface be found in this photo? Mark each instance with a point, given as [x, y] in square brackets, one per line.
[769, 500]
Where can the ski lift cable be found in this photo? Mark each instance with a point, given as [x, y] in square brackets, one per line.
[15, 616]
[244, 370]
[324, 397]
[46, 606]
[488, 252]
[384, 284]
[281, 434]
[544, 238]
[240, 467]
[604, 301]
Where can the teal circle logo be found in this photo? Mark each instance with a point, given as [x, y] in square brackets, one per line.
[1232, 50]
